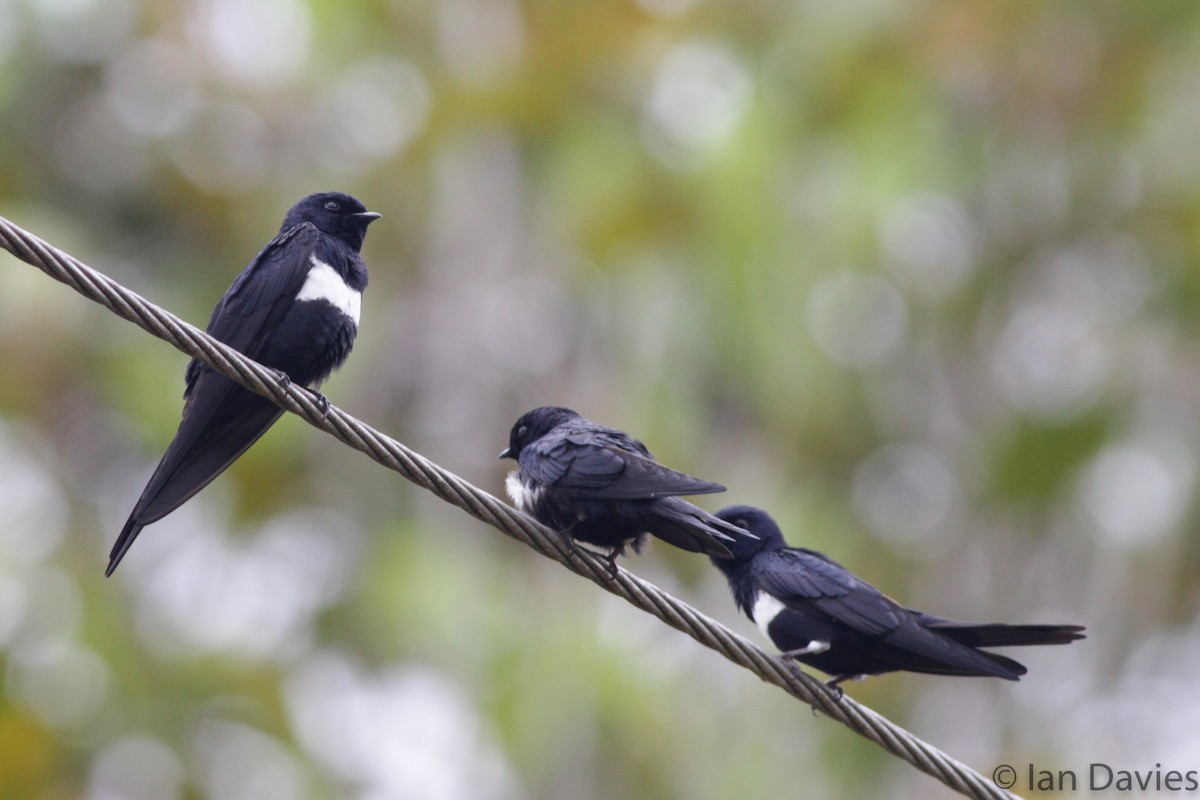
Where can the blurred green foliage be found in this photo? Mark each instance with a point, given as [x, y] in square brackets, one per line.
[917, 277]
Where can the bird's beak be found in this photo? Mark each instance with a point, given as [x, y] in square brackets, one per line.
[369, 216]
[506, 453]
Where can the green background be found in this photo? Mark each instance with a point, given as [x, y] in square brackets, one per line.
[917, 277]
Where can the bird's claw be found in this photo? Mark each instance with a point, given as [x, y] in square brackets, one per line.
[831, 686]
[837, 692]
[610, 560]
[835, 684]
[284, 380]
[322, 402]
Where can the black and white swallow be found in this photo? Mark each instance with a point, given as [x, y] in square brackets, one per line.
[819, 613]
[600, 486]
[294, 308]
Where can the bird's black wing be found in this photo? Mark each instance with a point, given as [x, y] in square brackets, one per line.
[806, 579]
[261, 295]
[803, 577]
[221, 419]
[593, 469]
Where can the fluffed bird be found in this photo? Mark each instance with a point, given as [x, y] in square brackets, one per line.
[602, 487]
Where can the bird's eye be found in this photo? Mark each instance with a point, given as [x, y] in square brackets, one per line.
[332, 205]
[521, 431]
[741, 522]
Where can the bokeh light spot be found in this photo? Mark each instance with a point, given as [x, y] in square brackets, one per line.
[858, 319]
[700, 94]
[1137, 492]
[255, 42]
[904, 492]
[136, 768]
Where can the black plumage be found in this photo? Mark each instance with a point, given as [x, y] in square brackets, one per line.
[600, 486]
[294, 308]
[818, 612]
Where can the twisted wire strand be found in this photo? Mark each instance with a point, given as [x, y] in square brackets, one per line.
[483, 506]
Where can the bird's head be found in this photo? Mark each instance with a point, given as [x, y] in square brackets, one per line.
[743, 548]
[532, 426]
[334, 213]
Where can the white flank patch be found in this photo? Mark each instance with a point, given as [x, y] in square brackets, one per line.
[766, 608]
[324, 283]
[522, 498]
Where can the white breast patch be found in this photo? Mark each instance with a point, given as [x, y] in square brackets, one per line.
[324, 283]
[522, 498]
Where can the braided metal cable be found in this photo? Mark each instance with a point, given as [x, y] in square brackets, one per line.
[483, 506]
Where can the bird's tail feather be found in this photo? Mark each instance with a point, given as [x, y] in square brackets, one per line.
[691, 528]
[189, 465]
[124, 542]
[975, 634]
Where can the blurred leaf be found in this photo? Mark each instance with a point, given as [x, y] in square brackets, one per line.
[1034, 462]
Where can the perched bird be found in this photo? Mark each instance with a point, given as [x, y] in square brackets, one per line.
[600, 486]
[817, 612]
[294, 308]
